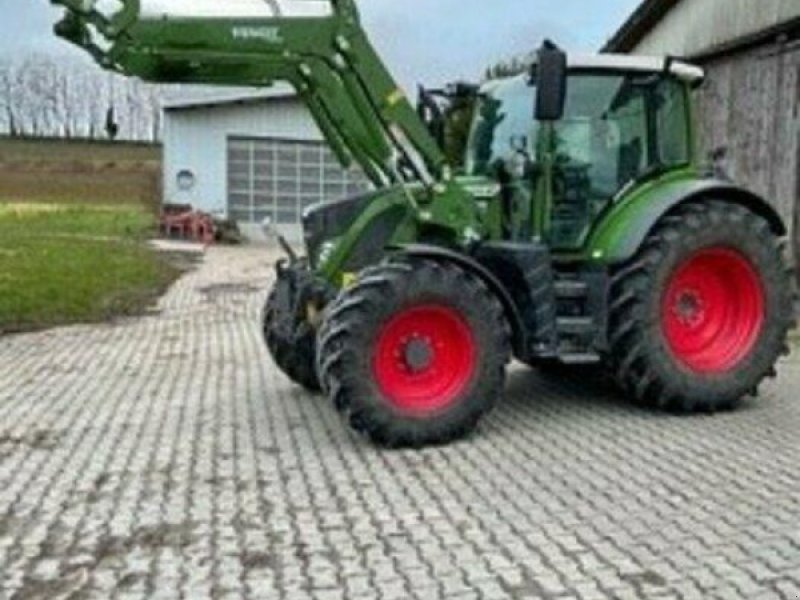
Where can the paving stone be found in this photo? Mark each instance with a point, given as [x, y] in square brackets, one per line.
[166, 457]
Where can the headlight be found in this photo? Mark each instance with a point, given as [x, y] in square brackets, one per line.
[325, 252]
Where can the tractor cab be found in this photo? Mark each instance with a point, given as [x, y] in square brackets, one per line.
[624, 121]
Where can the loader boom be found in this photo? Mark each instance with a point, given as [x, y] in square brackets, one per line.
[328, 59]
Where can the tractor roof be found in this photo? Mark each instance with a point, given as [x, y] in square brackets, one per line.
[632, 62]
[614, 63]
[635, 63]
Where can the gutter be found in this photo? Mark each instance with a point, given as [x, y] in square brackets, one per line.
[643, 19]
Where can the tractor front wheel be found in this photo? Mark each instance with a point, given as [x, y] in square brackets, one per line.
[700, 316]
[414, 353]
[291, 341]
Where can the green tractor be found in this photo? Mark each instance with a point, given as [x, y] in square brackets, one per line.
[582, 228]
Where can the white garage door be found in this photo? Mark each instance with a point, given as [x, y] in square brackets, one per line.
[279, 179]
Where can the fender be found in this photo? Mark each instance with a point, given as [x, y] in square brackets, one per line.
[469, 264]
[620, 234]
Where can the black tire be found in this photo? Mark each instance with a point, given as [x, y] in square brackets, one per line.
[349, 339]
[292, 345]
[645, 361]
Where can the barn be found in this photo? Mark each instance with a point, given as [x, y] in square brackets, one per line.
[749, 107]
[249, 155]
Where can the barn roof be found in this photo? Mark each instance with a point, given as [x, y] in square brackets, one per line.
[697, 29]
[639, 24]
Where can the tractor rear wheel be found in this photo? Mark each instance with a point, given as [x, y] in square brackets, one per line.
[414, 353]
[700, 316]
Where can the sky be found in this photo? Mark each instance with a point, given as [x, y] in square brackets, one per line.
[429, 41]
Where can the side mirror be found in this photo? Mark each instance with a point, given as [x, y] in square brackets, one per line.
[550, 75]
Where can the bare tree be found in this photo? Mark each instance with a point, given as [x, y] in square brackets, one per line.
[65, 105]
[9, 119]
[154, 99]
[38, 79]
[44, 96]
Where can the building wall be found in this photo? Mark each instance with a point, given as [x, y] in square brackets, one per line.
[196, 139]
[694, 27]
[750, 105]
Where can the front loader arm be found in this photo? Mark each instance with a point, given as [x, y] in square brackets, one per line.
[329, 60]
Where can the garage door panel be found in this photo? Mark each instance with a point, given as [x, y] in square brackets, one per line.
[333, 190]
[287, 169]
[238, 185]
[311, 155]
[260, 215]
[312, 172]
[286, 203]
[333, 173]
[239, 199]
[307, 187]
[287, 155]
[261, 153]
[283, 217]
[238, 152]
[239, 168]
[308, 202]
[263, 181]
[286, 187]
[354, 189]
[279, 178]
[263, 197]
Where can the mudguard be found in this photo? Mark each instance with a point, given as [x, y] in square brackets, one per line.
[471, 265]
[620, 234]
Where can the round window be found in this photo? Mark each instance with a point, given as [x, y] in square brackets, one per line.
[186, 180]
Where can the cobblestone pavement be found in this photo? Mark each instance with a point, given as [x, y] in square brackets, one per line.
[166, 457]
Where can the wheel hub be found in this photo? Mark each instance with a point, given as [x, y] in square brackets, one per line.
[424, 358]
[418, 354]
[689, 308]
[713, 310]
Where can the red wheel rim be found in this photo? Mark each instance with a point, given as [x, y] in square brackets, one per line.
[713, 310]
[424, 358]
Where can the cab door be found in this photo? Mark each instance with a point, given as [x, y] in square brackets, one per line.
[618, 130]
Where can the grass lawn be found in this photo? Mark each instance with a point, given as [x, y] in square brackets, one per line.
[62, 264]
